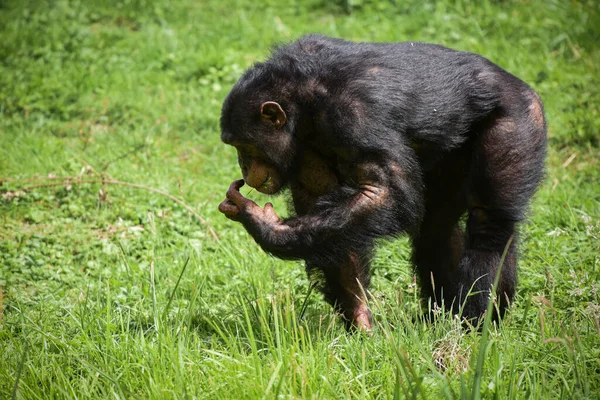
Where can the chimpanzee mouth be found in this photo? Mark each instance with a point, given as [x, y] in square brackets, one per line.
[268, 186]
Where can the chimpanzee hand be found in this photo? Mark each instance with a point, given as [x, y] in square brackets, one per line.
[238, 208]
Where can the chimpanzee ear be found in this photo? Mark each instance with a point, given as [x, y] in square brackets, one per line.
[272, 111]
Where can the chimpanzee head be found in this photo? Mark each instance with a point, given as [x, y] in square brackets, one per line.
[258, 121]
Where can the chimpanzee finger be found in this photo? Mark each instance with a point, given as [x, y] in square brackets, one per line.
[269, 209]
[230, 209]
[270, 213]
[234, 194]
[238, 184]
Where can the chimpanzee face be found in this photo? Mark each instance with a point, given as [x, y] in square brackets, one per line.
[263, 146]
[257, 170]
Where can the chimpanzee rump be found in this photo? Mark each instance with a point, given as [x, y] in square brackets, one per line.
[377, 139]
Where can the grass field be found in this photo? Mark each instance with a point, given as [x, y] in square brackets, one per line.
[120, 279]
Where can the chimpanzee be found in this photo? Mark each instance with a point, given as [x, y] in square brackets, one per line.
[377, 139]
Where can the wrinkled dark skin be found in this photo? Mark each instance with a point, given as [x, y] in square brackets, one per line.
[376, 140]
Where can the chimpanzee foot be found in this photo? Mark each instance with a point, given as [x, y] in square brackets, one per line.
[360, 319]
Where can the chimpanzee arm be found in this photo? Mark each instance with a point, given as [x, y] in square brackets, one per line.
[384, 198]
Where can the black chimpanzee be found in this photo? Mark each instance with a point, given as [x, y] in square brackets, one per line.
[376, 139]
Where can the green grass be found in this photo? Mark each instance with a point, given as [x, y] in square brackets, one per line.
[119, 292]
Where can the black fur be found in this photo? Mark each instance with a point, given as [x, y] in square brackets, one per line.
[432, 133]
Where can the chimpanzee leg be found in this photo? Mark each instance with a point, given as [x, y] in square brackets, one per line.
[506, 169]
[488, 233]
[343, 278]
[438, 246]
[436, 254]
[344, 286]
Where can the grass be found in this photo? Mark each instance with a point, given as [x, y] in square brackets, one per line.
[116, 291]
